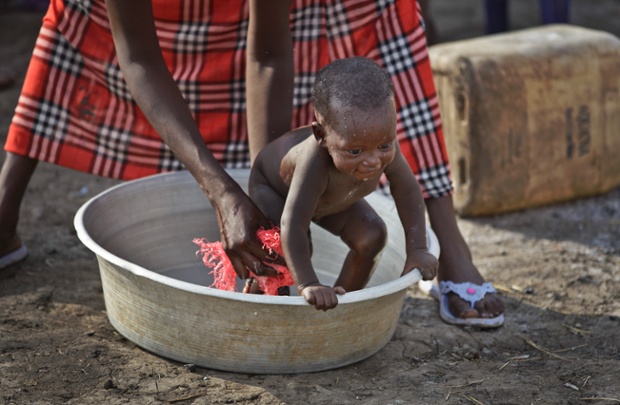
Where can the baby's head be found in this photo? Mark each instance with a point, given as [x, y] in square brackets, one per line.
[355, 116]
[349, 83]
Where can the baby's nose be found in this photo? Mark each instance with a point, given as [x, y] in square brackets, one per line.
[372, 160]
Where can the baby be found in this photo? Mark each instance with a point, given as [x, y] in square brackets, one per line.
[322, 173]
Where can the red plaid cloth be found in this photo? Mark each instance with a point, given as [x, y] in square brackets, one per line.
[75, 109]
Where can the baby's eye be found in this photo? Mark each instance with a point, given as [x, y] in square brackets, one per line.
[385, 146]
[355, 151]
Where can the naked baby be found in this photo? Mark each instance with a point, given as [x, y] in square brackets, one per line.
[321, 173]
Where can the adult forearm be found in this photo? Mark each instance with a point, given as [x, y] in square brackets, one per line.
[157, 94]
[164, 106]
[269, 72]
[268, 114]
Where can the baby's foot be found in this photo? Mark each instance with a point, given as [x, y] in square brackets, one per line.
[284, 290]
[251, 287]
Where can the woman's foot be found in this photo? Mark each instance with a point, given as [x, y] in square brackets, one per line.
[456, 264]
[14, 177]
[490, 306]
[12, 251]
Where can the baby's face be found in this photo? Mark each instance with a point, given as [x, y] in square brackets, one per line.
[362, 144]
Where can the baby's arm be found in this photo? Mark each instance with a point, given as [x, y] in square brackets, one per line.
[410, 205]
[307, 185]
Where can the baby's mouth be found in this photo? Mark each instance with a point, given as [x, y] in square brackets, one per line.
[367, 175]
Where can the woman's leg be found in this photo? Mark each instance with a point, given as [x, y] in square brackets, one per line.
[14, 178]
[455, 261]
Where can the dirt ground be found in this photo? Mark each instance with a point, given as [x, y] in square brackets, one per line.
[558, 269]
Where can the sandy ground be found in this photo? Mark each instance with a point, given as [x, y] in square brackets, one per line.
[558, 269]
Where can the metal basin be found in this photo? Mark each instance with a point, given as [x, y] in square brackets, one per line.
[156, 289]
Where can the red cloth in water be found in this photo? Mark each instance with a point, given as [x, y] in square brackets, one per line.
[224, 276]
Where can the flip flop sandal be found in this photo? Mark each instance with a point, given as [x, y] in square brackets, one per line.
[467, 291]
[13, 257]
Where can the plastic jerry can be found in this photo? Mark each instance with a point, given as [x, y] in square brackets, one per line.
[531, 117]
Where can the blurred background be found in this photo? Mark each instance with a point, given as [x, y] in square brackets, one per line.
[451, 20]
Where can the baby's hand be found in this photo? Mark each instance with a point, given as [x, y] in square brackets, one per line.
[322, 296]
[423, 261]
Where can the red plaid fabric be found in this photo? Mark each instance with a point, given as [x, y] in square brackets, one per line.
[75, 109]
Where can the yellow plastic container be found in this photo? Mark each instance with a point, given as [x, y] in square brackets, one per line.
[531, 117]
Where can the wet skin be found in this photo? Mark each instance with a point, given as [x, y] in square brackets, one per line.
[321, 173]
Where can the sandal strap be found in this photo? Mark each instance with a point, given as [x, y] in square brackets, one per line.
[467, 291]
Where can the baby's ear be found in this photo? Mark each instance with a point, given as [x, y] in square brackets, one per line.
[319, 133]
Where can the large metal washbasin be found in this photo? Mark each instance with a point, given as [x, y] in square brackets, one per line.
[156, 289]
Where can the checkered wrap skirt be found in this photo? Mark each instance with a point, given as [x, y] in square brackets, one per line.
[75, 109]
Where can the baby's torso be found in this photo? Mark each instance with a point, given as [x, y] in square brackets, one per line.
[340, 190]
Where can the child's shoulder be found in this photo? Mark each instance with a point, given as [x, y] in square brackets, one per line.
[296, 138]
[300, 133]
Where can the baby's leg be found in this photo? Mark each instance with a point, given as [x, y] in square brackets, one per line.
[265, 197]
[272, 205]
[268, 200]
[361, 228]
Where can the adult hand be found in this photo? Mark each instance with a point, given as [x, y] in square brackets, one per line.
[422, 260]
[239, 219]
